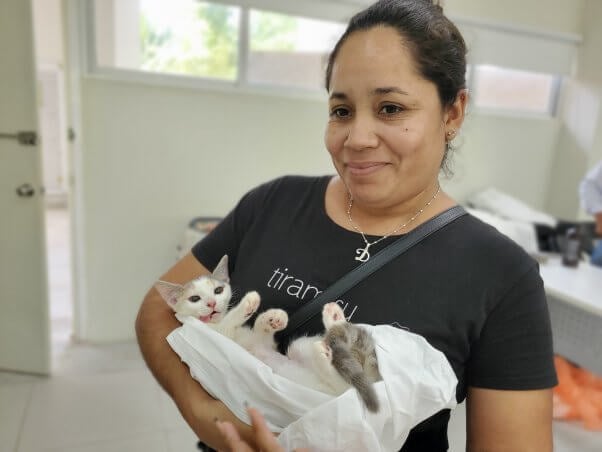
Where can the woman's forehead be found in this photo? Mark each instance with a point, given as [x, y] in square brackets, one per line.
[375, 57]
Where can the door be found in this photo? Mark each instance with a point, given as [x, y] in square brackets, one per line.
[24, 319]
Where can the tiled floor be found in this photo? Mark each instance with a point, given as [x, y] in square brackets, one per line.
[103, 399]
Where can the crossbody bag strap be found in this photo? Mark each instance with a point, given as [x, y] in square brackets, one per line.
[349, 280]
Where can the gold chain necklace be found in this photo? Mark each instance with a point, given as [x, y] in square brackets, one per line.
[362, 254]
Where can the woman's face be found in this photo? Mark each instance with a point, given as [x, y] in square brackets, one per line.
[386, 128]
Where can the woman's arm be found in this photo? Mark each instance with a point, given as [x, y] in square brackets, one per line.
[516, 421]
[154, 322]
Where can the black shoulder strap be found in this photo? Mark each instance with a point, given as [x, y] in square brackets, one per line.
[399, 246]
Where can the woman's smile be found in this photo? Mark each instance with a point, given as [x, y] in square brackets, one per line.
[364, 168]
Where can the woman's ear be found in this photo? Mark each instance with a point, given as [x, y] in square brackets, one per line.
[454, 114]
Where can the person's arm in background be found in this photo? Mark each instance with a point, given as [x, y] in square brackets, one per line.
[517, 421]
[598, 218]
[590, 193]
[154, 322]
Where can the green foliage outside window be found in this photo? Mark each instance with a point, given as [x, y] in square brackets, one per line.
[210, 47]
[272, 32]
[208, 50]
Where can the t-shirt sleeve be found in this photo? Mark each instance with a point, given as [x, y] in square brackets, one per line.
[227, 236]
[514, 350]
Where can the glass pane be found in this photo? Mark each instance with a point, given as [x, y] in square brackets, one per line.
[183, 37]
[288, 50]
[510, 89]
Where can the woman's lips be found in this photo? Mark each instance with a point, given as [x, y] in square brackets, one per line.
[363, 169]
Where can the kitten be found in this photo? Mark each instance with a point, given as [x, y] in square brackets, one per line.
[207, 298]
[330, 363]
[343, 357]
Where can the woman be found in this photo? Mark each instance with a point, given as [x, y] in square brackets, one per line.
[396, 100]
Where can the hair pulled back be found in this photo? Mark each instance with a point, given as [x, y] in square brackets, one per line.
[438, 49]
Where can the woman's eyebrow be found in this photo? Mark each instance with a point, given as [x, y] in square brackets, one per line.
[375, 92]
[387, 90]
[339, 96]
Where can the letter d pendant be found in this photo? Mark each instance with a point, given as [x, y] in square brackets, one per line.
[362, 253]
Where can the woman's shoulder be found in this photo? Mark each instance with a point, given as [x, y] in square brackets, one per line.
[485, 244]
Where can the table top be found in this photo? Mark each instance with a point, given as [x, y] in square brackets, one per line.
[580, 286]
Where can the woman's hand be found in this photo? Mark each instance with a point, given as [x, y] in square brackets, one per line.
[266, 441]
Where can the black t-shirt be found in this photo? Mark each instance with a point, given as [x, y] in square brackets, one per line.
[471, 292]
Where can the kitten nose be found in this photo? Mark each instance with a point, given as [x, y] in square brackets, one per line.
[211, 303]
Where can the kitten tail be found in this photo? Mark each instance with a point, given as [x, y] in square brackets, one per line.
[353, 373]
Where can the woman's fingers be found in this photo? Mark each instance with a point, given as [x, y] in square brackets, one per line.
[233, 439]
[266, 440]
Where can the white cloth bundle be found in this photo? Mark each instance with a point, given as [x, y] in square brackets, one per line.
[417, 383]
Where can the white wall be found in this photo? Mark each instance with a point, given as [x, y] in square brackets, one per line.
[580, 143]
[153, 157]
[559, 16]
[512, 154]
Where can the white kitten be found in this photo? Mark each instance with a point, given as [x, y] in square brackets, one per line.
[207, 298]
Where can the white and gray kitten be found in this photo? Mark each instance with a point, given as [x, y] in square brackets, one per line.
[207, 298]
[331, 363]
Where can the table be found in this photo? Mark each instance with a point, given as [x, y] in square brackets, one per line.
[575, 303]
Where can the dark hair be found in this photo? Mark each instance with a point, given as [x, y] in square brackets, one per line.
[434, 41]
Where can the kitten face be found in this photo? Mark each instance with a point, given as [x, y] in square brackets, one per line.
[206, 297]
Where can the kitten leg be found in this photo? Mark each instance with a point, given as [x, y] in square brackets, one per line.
[332, 313]
[271, 321]
[266, 325]
[322, 359]
[242, 311]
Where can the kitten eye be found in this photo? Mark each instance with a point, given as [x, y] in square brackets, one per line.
[218, 290]
[194, 298]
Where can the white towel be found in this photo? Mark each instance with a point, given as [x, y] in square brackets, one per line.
[417, 383]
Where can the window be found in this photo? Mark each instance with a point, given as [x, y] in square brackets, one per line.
[289, 50]
[497, 88]
[203, 39]
[188, 37]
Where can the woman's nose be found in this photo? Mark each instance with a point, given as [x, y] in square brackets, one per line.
[361, 134]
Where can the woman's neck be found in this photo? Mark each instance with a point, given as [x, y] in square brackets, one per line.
[393, 217]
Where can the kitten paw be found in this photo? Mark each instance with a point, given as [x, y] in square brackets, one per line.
[271, 320]
[250, 303]
[332, 313]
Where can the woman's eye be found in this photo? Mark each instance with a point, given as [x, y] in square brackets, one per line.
[339, 112]
[218, 290]
[390, 109]
[194, 298]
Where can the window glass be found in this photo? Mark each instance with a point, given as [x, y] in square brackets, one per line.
[289, 50]
[186, 37]
[513, 90]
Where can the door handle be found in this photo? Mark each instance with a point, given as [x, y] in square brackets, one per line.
[26, 190]
[26, 138]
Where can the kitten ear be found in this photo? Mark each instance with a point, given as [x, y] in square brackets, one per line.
[170, 292]
[221, 269]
